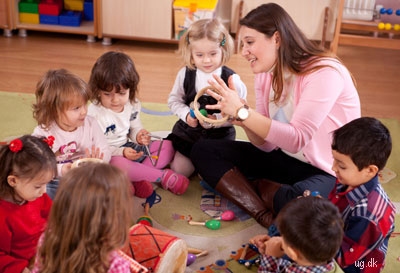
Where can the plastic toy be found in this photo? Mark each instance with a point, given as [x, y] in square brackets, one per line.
[193, 254]
[145, 219]
[227, 215]
[210, 224]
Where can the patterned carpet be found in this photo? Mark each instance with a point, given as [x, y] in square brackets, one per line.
[226, 244]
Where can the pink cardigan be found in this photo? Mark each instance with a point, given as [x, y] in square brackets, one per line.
[323, 100]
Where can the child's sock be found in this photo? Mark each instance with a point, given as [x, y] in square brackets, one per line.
[143, 189]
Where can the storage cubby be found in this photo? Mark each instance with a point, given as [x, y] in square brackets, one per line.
[88, 28]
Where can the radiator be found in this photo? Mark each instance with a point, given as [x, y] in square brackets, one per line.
[359, 10]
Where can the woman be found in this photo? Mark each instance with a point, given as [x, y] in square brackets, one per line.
[302, 94]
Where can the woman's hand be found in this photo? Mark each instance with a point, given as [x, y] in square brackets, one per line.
[132, 154]
[143, 137]
[228, 99]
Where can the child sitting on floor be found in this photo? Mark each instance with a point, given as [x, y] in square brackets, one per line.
[61, 113]
[360, 150]
[311, 231]
[27, 164]
[89, 223]
[114, 82]
[205, 47]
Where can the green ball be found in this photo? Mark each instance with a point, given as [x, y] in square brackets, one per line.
[203, 112]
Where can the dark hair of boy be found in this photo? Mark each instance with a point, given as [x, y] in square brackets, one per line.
[313, 226]
[365, 140]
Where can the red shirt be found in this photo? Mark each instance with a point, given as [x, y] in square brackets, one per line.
[20, 229]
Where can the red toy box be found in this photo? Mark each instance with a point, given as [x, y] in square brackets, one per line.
[50, 7]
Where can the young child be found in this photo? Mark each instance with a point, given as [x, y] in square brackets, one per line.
[205, 48]
[27, 164]
[60, 111]
[89, 222]
[311, 231]
[360, 150]
[114, 82]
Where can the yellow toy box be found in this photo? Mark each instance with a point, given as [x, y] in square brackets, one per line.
[188, 11]
[30, 18]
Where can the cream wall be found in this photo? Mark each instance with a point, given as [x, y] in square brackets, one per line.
[308, 14]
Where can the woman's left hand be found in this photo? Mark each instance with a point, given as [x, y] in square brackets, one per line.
[228, 99]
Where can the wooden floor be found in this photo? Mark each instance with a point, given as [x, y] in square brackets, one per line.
[24, 60]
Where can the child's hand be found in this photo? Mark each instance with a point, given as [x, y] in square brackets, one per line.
[192, 122]
[259, 242]
[94, 153]
[131, 154]
[143, 137]
[273, 247]
[26, 270]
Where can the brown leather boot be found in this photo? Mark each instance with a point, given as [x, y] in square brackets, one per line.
[237, 189]
[266, 189]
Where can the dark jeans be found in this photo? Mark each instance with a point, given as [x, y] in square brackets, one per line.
[213, 158]
[51, 188]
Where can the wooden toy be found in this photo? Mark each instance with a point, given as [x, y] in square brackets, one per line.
[205, 121]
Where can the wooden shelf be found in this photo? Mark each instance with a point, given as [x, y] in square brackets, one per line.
[86, 27]
[5, 17]
[367, 33]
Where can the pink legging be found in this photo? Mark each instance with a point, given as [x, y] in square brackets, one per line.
[145, 170]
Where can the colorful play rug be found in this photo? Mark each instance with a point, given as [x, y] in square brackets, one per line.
[170, 215]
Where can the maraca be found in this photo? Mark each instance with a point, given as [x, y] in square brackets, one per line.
[227, 215]
[193, 254]
[211, 224]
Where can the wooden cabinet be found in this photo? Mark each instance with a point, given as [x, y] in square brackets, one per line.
[5, 17]
[138, 19]
[88, 28]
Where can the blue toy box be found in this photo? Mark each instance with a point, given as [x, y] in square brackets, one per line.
[70, 18]
[48, 19]
[88, 10]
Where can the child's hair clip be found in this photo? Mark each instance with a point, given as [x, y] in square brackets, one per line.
[49, 140]
[16, 145]
[223, 41]
[187, 39]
